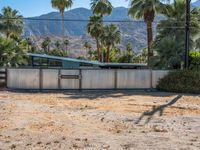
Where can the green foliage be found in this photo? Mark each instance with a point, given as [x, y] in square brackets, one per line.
[101, 7]
[12, 53]
[185, 81]
[109, 38]
[11, 26]
[147, 9]
[57, 52]
[169, 42]
[195, 60]
[61, 4]
[46, 44]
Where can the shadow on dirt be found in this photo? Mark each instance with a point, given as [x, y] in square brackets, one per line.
[160, 109]
[94, 95]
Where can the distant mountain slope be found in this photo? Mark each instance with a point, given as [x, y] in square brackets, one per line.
[75, 28]
[196, 4]
[134, 32]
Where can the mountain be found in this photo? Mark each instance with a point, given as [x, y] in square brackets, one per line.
[196, 4]
[73, 28]
[133, 32]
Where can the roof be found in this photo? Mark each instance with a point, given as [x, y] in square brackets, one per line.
[87, 61]
[126, 64]
[65, 59]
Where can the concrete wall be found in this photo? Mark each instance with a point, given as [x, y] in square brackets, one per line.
[91, 79]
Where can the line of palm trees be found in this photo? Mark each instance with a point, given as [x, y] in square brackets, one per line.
[106, 36]
[109, 35]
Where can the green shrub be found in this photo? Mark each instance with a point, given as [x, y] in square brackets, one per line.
[185, 81]
[195, 60]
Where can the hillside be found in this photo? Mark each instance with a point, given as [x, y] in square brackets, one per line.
[134, 32]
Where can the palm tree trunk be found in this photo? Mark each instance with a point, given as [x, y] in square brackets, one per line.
[108, 54]
[63, 25]
[98, 49]
[149, 39]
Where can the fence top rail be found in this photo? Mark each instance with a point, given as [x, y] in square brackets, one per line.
[87, 69]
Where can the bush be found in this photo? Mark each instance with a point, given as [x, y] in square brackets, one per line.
[185, 81]
[195, 60]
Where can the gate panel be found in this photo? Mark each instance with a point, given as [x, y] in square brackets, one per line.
[67, 81]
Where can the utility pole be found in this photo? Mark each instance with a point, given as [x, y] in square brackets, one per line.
[187, 34]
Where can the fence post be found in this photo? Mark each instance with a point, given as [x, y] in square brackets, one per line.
[59, 79]
[151, 80]
[115, 79]
[6, 77]
[41, 79]
[80, 79]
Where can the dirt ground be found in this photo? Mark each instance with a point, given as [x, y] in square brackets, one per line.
[99, 120]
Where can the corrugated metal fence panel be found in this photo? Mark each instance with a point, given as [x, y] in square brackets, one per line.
[133, 79]
[23, 78]
[98, 79]
[49, 79]
[2, 81]
[91, 79]
[157, 75]
[69, 83]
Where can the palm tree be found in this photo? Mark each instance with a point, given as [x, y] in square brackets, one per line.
[46, 44]
[57, 44]
[95, 29]
[66, 43]
[147, 9]
[111, 36]
[61, 5]
[101, 7]
[11, 22]
[169, 42]
[29, 43]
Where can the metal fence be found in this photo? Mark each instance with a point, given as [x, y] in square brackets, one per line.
[3, 77]
[83, 79]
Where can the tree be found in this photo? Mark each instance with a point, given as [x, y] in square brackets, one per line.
[101, 7]
[169, 42]
[57, 44]
[12, 53]
[111, 36]
[95, 29]
[147, 9]
[46, 44]
[61, 5]
[66, 43]
[29, 43]
[11, 22]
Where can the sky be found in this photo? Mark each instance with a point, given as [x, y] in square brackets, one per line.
[30, 8]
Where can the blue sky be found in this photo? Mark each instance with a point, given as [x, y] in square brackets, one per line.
[37, 7]
[29, 8]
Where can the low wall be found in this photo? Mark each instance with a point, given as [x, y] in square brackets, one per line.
[55, 79]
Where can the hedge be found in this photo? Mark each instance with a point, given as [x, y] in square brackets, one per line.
[184, 81]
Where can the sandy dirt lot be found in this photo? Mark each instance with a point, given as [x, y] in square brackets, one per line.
[99, 120]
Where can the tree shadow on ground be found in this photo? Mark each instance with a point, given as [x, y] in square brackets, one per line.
[94, 95]
[160, 109]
